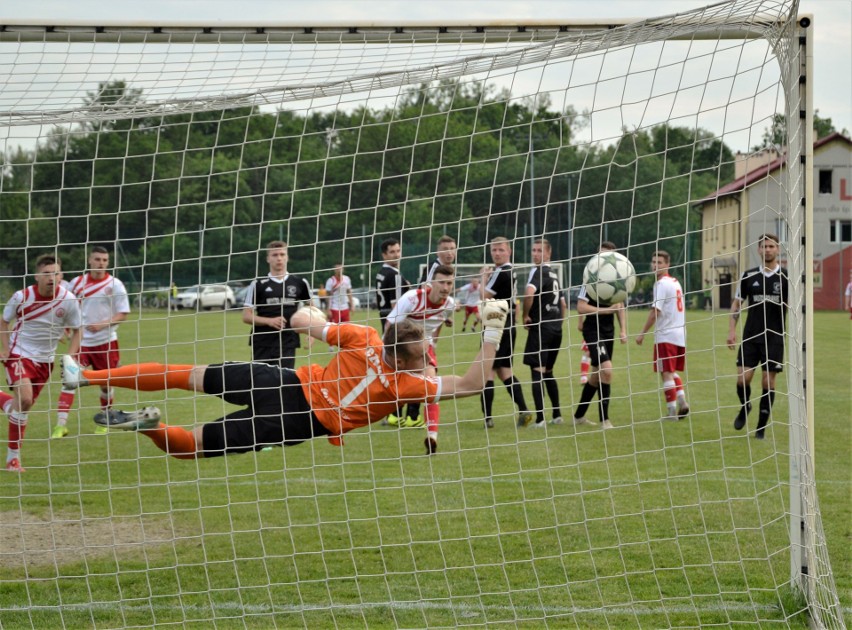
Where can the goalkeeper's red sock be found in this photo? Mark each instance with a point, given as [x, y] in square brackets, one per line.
[176, 441]
[433, 417]
[146, 377]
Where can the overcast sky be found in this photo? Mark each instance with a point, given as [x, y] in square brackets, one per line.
[832, 21]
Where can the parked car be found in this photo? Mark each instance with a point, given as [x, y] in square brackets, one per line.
[206, 296]
[364, 297]
[240, 297]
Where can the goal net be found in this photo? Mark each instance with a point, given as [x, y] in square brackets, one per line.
[185, 149]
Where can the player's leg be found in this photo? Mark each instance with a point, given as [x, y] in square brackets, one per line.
[604, 394]
[534, 358]
[22, 390]
[585, 364]
[551, 385]
[747, 361]
[773, 365]
[591, 386]
[605, 373]
[147, 377]
[66, 401]
[432, 410]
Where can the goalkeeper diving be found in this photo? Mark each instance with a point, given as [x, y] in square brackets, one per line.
[369, 378]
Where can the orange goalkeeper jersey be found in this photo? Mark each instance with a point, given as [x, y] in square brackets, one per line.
[357, 387]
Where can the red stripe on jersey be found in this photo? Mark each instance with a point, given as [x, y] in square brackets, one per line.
[91, 286]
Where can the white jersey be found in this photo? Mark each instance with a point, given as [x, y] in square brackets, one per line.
[100, 300]
[470, 295]
[338, 292]
[415, 305]
[40, 322]
[670, 326]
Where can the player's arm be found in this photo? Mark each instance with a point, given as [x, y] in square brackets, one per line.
[649, 324]
[494, 315]
[529, 296]
[117, 318]
[584, 308]
[4, 339]
[621, 316]
[349, 296]
[736, 305]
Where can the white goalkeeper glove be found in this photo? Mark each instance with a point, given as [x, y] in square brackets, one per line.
[494, 314]
[315, 314]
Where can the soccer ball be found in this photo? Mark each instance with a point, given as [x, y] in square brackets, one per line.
[609, 277]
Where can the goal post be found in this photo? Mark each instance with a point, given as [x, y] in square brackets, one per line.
[186, 148]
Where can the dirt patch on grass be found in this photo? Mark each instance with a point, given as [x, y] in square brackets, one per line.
[33, 540]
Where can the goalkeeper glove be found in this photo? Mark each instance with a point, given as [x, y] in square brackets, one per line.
[316, 314]
[494, 314]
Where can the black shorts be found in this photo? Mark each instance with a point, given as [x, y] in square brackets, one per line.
[276, 411]
[543, 343]
[281, 357]
[769, 354]
[503, 358]
[600, 350]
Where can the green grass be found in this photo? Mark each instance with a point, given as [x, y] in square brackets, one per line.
[649, 525]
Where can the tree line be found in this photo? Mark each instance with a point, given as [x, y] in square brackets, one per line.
[193, 197]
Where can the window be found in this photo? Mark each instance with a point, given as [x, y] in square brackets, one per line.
[781, 229]
[840, 231]
[825, 182]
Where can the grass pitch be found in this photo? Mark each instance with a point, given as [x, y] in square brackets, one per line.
[649, 525]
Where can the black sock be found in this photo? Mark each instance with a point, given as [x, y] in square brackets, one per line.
[744, 394]
[586, 396]
[413, 410]
[514, 386]
[487, 399]
[538, 395]
[603, 401]
[766, 400]
[552, 393]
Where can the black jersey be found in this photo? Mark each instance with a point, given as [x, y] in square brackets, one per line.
[501, 286]
[547, 299]
[276, 298]
[390, 285]
[596, 326]
[429, 270]
[767, 296]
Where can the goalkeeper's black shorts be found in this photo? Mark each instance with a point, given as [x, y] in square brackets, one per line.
[276, 411]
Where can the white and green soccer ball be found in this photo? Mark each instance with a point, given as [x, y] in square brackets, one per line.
[609, 277]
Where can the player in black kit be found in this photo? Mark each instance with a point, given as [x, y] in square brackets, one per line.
[598, 327]
[544, 311]
[390, 286]
[446, 255]
[390, 283]
[499, 283]
[765, 288]
[270, 302]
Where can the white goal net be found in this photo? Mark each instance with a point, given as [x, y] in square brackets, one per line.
[184, 151]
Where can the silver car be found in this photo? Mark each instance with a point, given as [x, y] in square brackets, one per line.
[206, 296]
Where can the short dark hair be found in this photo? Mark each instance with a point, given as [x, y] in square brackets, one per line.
[399, 337]
[661, 253]
[544, 242]
[47, 259]
[446, 239]
[444, 270]
[768, 237]
[388, 243]
[99, 249]
[609, 246]
[276, 245]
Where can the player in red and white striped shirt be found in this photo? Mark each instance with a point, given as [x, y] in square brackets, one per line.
[103, 305]
[432, 306]
[41, 313]
[668, 314]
